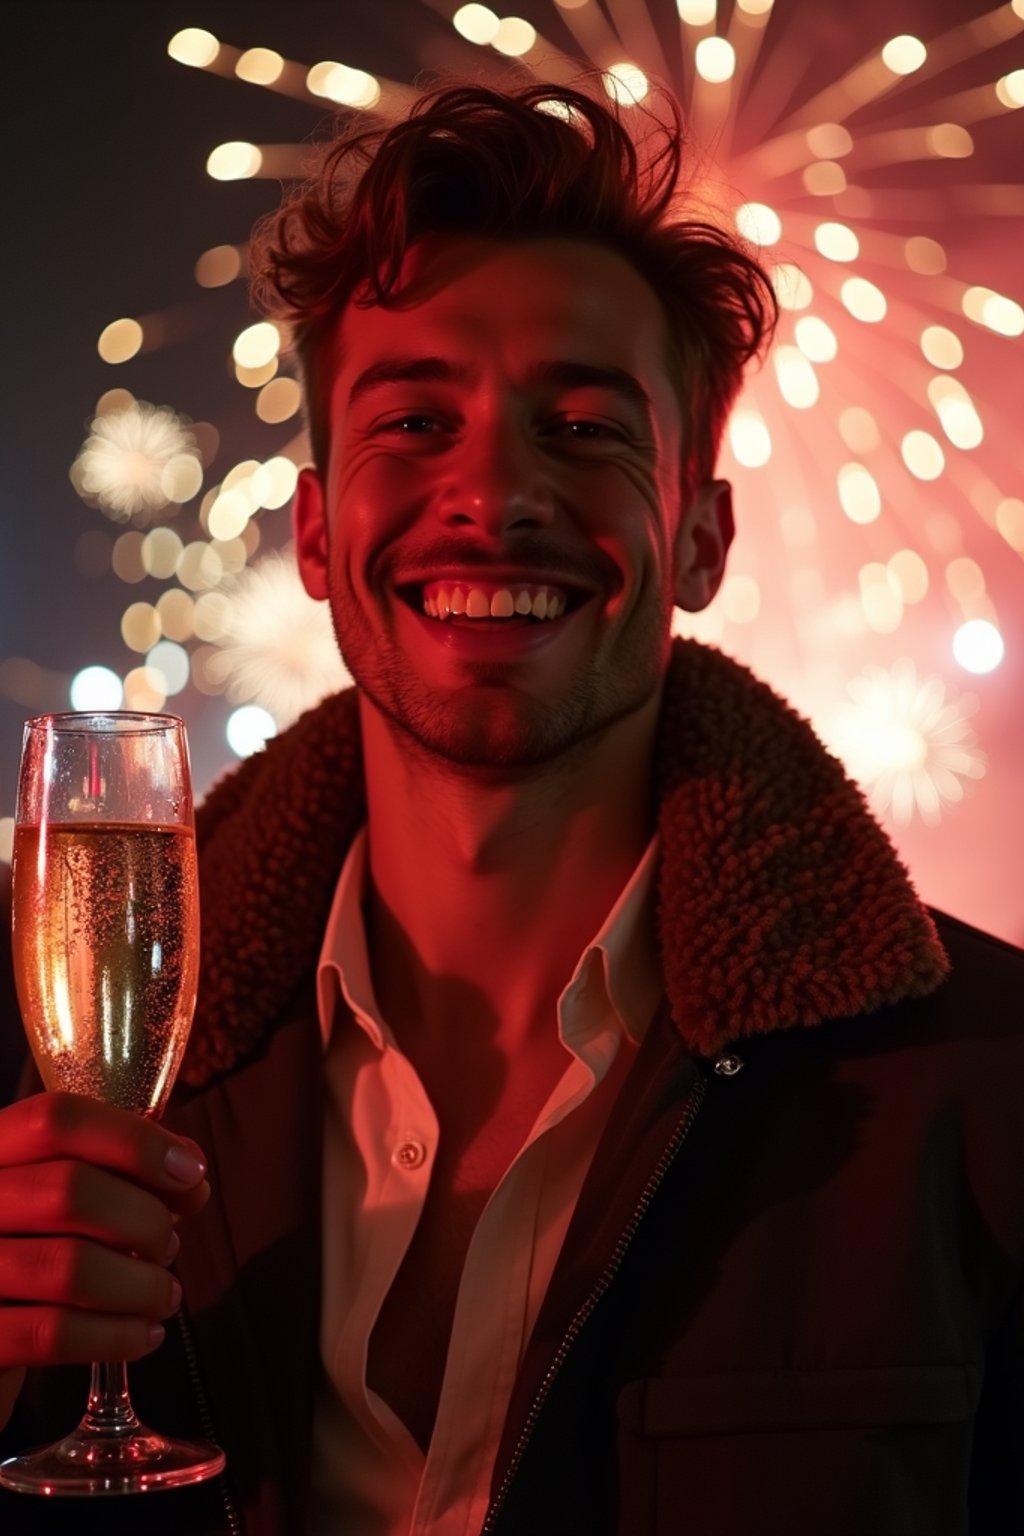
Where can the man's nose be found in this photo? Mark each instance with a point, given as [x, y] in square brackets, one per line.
[495, 480]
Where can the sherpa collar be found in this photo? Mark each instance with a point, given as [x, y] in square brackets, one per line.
[781, 901]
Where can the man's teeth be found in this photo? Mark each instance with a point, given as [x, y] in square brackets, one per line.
[473, 603]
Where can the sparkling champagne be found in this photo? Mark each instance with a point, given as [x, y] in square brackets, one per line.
[106, 928]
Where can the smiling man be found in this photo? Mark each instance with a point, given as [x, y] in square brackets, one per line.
[604, 1139]
[514, 484]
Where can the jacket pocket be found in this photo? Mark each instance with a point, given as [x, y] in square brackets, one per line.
[862, 1452]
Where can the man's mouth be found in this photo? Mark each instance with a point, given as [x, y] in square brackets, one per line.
[509, 602]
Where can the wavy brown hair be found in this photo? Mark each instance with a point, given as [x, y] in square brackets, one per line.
[533, 161]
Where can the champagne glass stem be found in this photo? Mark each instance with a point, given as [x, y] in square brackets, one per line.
[109, 1411]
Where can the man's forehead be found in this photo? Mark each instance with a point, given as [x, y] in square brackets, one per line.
[542, 299]
[439, 261]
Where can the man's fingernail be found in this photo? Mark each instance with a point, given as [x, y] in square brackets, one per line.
[172, 1248]
[184, 1166]
[156, 1334]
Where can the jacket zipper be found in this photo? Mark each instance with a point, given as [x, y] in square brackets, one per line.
[694, 1100]
[234, 1524]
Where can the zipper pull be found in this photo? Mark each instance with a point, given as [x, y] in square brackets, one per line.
[728, 1064]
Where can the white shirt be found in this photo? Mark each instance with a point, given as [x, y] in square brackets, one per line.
[370, 1477]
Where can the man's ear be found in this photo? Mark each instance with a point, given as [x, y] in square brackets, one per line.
[705, 533]
[310, 524]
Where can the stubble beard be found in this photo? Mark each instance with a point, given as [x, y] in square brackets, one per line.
[490, 724]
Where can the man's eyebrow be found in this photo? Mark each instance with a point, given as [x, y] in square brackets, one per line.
[407, 370]
[566, 373]
[561, 373]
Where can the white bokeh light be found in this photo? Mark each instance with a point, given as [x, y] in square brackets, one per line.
[715, 59]
[171, 661]
[96, 688]
[697, 13]
[626, 84]
[816, 339]
[837, 242]
[476, 23]
[236, 160]
[759, 223]
[249, 728]
[749, 438]
[904, 54]
[792, 287]
[514, 37]
[798, 382]
[859, 495]
[978, 646]
[193, 46]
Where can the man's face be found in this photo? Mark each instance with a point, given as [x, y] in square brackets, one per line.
[504, 442]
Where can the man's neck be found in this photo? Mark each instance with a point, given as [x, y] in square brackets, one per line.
[484, 891]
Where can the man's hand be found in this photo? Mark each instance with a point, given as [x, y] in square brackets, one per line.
[89, 1199]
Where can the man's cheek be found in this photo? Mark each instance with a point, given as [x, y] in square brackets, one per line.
[381, 493]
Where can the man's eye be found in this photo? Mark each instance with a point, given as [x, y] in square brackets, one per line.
[414, 425]
[584, 430]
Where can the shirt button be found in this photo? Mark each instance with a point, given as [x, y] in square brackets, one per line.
[410, 1154]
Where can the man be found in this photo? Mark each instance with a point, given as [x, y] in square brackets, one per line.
[537, 1203]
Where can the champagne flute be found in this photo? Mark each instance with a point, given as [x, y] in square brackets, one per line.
[106, 955]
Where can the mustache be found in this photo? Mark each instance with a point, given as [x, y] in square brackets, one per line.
[587, 566]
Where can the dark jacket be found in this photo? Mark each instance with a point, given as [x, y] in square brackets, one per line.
[789, 1299]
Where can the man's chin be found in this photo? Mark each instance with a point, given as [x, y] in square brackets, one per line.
[499, 733]
[485, 734]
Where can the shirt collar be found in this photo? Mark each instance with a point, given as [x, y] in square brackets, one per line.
[344, 961]
[618, 973]
[619, 967]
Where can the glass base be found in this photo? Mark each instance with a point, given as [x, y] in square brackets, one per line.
[85, 1464]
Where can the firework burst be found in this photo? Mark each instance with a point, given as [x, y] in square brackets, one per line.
[136, 460]
[906, 741]
[871, 456]
[277, 647]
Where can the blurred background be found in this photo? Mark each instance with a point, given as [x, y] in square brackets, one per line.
[153, 423]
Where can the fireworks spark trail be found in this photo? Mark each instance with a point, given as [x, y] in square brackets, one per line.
[638, 38]
[597, 42]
